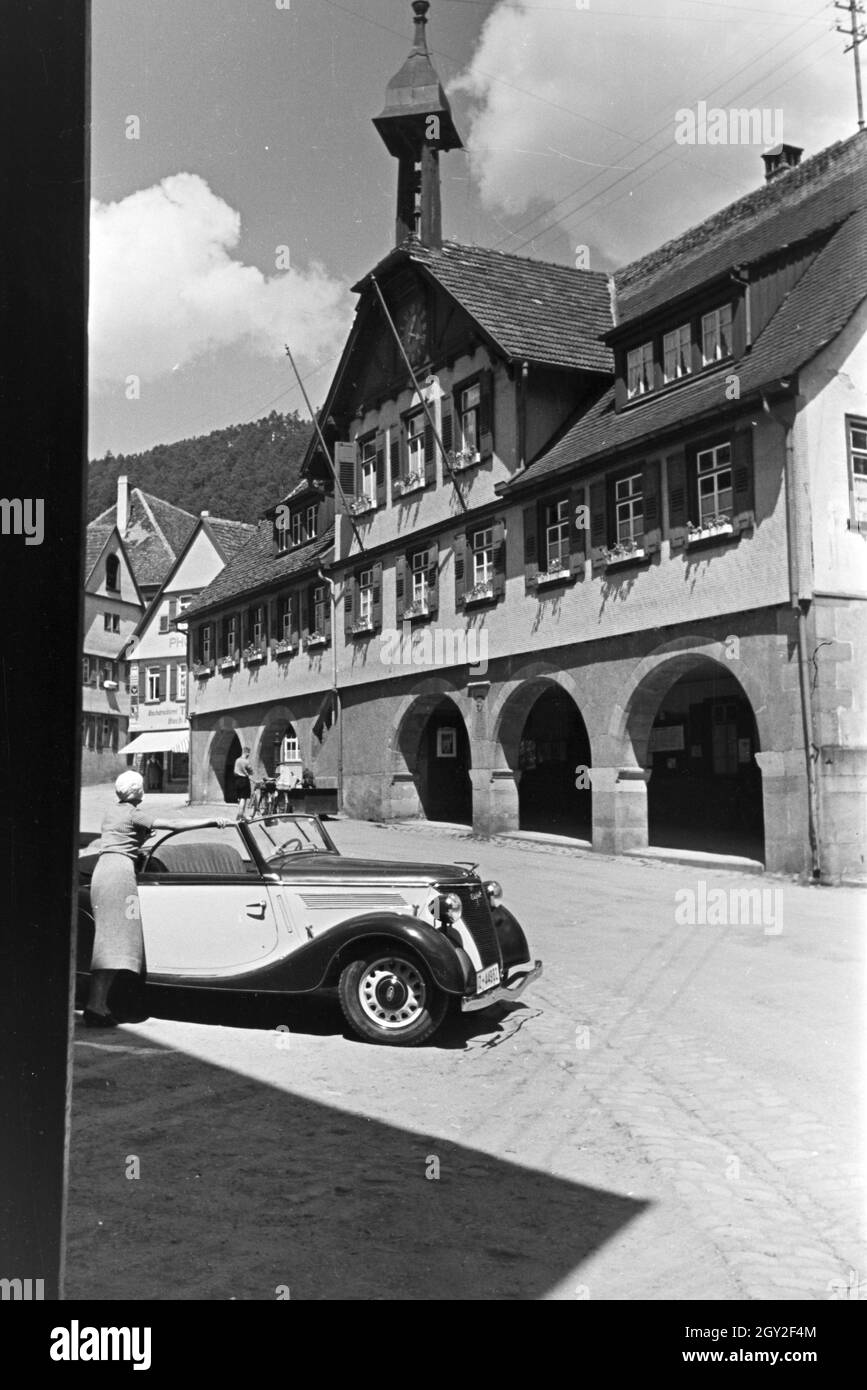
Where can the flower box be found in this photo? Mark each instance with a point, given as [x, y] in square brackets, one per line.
[203, 669]
[287, 646]
[419, 608]
[253, 655]
[711, 529]
[480, 593]
[229, 663]
[462, 459]
[623, 553]
[360, 505]
[315, 639]
[413, 482]
[362, 626]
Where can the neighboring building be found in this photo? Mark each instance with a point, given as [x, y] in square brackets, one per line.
[112, 607]
[157, 655]
[154, 533]
[625, 600]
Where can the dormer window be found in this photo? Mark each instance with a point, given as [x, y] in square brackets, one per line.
[368, 468]
[677, 353]
[311, 521]
[295, 528]
[639, 370]
[469, 404]
[716, 335]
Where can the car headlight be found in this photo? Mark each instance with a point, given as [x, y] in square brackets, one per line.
[493, 890]
[450, 907]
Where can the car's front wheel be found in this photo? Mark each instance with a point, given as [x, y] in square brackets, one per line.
[390, 998]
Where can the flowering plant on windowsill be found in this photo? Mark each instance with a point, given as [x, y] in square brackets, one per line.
[228, 663]
[717, 525]
[285, 647]
[555, 573]
[479, 592]
[362, 625]
[359, 505]
[254, 652]
[202, 669]
[419, 608]
[412, 482]
[464, 458]
[622, 551]
[316, 639]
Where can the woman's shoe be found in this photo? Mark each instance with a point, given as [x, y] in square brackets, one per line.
[92, 1019]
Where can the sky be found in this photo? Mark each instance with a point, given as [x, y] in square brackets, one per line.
[239, 188]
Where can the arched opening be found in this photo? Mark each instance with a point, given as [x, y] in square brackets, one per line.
[705, 787]
[280, 753]
[435, 746]
[112, 574]
[225, 748]
[553, 767]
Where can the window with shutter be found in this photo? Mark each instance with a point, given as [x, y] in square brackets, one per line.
[447, 425]
[400, 586]
[598, 520]
[345, 466]
[395, 460]
[380, 469]
[348, 604]
[173, 682]
[377, 597]
[432, 580]
[678, 500]
[743, 474]
[486, 414]
[499, 558]
[577, 531]
[429, 455]
[460, 547]
[652, 506]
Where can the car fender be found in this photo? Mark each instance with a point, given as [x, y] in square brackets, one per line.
[320, 960]
[513, 942]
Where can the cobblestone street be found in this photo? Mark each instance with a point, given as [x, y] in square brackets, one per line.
[671, 1113]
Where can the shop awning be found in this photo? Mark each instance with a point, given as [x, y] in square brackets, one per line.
[160, 741]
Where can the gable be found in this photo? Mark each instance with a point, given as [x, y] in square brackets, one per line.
[197, 567]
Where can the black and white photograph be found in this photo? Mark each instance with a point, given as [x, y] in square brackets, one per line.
[437, 812]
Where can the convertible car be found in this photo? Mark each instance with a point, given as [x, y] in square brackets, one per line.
[271, 906]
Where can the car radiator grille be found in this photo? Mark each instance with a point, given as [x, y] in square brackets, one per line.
[477, 916]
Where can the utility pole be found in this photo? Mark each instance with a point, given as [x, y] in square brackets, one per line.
[857, 33]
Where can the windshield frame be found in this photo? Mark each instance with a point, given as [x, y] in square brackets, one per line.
[275, 863]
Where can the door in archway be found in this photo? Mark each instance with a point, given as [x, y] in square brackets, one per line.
[442, 771]
[554, 792]
[705, 788]
[226, 776]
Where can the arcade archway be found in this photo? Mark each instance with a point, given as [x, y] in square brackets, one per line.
[434, 745]
[545, 742]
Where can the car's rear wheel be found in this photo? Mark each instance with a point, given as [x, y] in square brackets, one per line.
[389, 997]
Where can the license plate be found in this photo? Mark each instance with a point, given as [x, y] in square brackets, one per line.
[487, 979]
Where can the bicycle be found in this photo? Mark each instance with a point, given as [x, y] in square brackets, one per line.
[268, 799]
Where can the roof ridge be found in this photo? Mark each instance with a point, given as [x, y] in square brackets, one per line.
[145, 499]
[513, 256]
[764, 197]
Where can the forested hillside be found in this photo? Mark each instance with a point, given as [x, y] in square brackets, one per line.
[235, 472]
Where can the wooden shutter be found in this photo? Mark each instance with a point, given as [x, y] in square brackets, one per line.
[346, 463]
[173, 610]
[274, 632]
[743, 474]
[400, 585]
[395, 457]
[327, 616]
[348, 604]
[430, 464]
[678, 499]
[498, 541]
[652, 503]
[486, 414]
[294, 601]
[460, 554]
[380, 469]
[598, 519]
[447, 424]
[577, 532]
[305, 599]
[433, 580]
[377, 596]
[172, 672]
[531, 546]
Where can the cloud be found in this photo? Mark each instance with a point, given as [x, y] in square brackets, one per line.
[565, 101]
[165, 288]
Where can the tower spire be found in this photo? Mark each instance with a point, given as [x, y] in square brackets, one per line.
[415, 125]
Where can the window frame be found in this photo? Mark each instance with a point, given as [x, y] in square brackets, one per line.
[628, 501]
[366, 460]
[561, 524]
[678, 375]
[153, 682]
[715, 314]
[640, 350]
[411, 419]
[857, 522]
[712, 473]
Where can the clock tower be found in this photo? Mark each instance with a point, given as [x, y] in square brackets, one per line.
[415, 124]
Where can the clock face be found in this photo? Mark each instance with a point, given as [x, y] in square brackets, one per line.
[412, 327]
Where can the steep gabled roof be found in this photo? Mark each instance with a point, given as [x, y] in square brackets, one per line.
[229, 536]
[97, 535]
[817, 308]
[256, 567]
[817, 195]
[156, 532]
[549, 314]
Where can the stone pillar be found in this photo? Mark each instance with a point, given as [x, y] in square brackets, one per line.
[495, 800]
[843, 818]
[784, 801]
[403, 799]
[619, 808]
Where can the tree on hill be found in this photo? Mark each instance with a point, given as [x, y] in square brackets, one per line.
[235, 472]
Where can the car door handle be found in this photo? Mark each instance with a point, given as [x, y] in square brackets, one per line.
[256, 908]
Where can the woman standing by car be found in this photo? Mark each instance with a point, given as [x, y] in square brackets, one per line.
[118, 944]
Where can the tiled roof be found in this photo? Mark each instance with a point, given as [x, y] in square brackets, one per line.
[547, 313]
[156, 533]
[231, 536]
[97, 535]
[818, 194]
[256, 566]
[812, 314]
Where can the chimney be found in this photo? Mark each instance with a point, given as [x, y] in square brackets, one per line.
[204, 513]
[780, 159]
[122, 503]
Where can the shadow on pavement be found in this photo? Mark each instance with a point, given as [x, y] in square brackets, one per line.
[250, 1191]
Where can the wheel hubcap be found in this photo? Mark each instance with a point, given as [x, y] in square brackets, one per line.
[392, 993]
